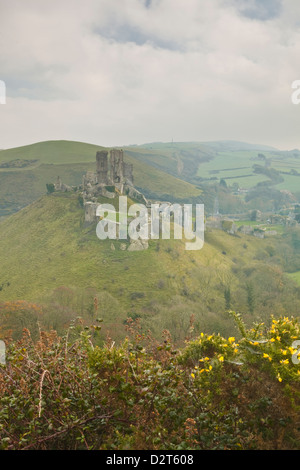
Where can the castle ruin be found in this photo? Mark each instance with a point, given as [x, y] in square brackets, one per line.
[113, 177]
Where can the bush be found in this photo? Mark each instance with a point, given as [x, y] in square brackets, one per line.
[215, 393]
[50, 188]
[80, 200]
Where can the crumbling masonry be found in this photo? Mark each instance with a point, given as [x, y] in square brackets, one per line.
[117, 172]
[113, 177]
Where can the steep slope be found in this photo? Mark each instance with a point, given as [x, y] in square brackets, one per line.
[49, 256]
[180, 159]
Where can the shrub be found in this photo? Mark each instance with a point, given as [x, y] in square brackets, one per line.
[50, 188]
[214, 393]
[137, 295]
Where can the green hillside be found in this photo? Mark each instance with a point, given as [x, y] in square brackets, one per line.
[25, 171]
[180, 159]
[239, 163]
[53, 152]
[50, 257]
[186, 159]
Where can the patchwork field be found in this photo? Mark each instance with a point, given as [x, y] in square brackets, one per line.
[238, 167]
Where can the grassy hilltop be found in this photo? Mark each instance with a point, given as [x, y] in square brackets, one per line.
[25, 171]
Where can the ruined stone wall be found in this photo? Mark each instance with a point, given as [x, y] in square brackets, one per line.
[90, 178]
[90, 211]
[117, 166]
[102, 167]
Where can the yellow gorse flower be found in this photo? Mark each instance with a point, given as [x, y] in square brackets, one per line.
[286, 361]
[265, 355]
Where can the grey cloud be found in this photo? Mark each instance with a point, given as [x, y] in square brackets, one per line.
[149, 70]
[36, 91]
[38, 83]
[149, 3]
[125, 33]
[259, 9]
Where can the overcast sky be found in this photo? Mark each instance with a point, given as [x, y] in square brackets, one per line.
[119, 72]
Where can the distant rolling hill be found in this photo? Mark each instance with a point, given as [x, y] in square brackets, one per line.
[169, 171]
[25, 171]
[237, 163]
[233, 145]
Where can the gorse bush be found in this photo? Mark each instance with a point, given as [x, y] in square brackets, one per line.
[214, 393]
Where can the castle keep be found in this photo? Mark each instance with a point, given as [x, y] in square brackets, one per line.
[113, 177]
[116, 171]
[110, 172]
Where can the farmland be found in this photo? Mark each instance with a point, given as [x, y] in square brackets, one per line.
[240, 167]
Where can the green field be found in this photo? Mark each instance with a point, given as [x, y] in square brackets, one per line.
[237, 167]
[268, 227]
[233, 167]
[291, 183]
[295, 276]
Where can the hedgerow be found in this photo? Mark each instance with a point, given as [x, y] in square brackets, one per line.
[64, 392]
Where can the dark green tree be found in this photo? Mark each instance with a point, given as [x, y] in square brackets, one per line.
[227, 297]
[250, 298]
[50, 188]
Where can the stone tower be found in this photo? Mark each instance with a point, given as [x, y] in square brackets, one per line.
[102, 167]
[116, 166]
